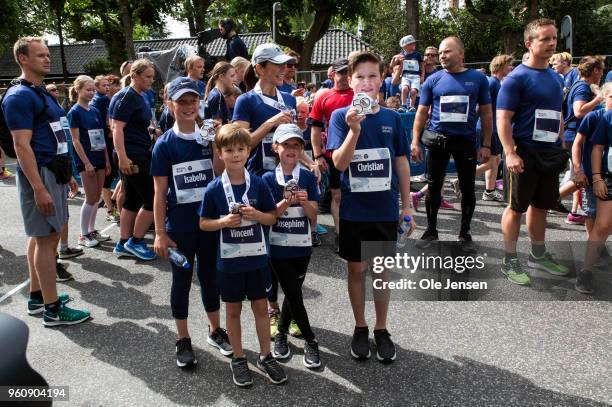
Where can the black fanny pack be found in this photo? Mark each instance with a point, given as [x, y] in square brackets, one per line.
[434, 139]
[61, 167]
[552, 160]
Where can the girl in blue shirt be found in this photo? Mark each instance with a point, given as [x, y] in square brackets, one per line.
[221, 83]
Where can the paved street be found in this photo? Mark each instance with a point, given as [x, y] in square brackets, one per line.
[531, 349]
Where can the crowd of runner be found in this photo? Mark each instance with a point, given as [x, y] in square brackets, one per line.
[231, 172]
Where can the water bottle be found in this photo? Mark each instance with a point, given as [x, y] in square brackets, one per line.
[404, 230]
[177, 258]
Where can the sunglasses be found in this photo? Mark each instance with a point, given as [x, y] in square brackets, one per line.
[431, 55]
[52, 90]
[291, 65]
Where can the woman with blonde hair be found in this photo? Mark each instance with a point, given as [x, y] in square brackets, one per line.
[240, 64]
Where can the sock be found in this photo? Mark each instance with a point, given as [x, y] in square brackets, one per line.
[63, 246]
[419, 194]
[92, 220]
[122, 241]
[36, 295]
[490, 190]
[136, 239]
[538, 250]
[53, 307]
[86, 210]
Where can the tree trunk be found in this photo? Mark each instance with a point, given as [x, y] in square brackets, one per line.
[199, 13]
[58, 7]
[316, 31]
[126, 21]
[190, 19]
[412, 17]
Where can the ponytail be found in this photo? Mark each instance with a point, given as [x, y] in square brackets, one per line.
[250, 78]
[221, 68]
[73, 94]
[77, 85]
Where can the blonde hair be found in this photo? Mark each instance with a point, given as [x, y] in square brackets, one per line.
[125, 81]
[232, 134]
[22, 46]
[98, 80]
[561, 57]
[240, 62]
[221, 68]
[499, 62]
[606, 89]
[191, 61]
[139, 66]
[77, 85]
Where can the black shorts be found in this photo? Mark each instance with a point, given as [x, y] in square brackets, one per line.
[352, 234]
[81, 167]
[138, 188]
[253, 285]
[334, 174]
[496, 146]
[531, 187]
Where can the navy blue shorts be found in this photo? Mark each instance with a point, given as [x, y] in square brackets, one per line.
[252, 285]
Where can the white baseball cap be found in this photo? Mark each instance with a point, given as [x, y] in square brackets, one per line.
[270, 52]
[287, 131]
[407, 40]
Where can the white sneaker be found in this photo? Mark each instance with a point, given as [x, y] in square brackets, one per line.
[99, 236]
[492, 196]
[456, 189]
[88, 241]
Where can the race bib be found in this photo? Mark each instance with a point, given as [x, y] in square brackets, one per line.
[190, 179]
[546, 125]
[370, 170]
[291, 229]
[96, 139]
[454, 108]
[245, 240]
[269, 158]
[609, 161]
[410, 65]
[60, 137]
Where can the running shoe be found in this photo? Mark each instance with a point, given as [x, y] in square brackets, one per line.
[584, 282]
[427, 239]
[548, 264]
[99, 236]
[466, 244]
[456, 189]
[110, 217]
[36, 307]
[61, 274]
[360, 345]
[385, 349]
[281, 347]
[240, 372]
[444, 204]
[560, 208]
[316, 240]
[274, 314]
[6, 174]
[69, 252]
[139, 250]
[412, 109]
[574, 219]
[512, 269]
[294, 329]
[272, 369]
[499, 184]
[494, 195]
[120, 250]
[311, 358]
[65, 316]
[321, 230]
[219, 339]
[88, 241]
[415, 200]
[185, 357]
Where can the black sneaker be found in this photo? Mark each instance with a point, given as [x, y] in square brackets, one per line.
[281, 348]
[385, 349]
[360, 345]
[316, 240]
[184, 353]
[311, 355]
[561, 209]
[272, 368]
[426, 240]
[61, 274]
[466, 244]
[69, 252]
[219, 339]
[584, 282]
[240, 372]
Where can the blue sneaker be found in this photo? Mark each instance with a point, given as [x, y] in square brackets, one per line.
[320, 229]
[120, 251]
[36, 307]
[139, 250]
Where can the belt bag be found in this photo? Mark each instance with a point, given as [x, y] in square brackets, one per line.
[61, 167]
[549, 161]
[434, 139]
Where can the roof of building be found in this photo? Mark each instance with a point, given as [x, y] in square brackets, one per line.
[336, 43]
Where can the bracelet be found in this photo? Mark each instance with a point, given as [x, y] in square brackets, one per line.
[596, 173]
[597, 180]
[319, 156]
[483, 146]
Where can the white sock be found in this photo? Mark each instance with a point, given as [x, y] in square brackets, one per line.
[92, 220]
[85, 217]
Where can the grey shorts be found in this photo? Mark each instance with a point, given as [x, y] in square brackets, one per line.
[35, 223]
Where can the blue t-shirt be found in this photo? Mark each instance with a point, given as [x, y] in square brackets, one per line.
[201, 88]
[188, 166]
[307, 182]
[287, 87]
[390, 88]
[130, 107]
[23, 109]
[250, 108]
[603, 136]
[609, 76]
[571, 77]
[216, 108]
[382, 130]
[307, 142]
[587, 128]
[494, 85]
[101, 102]
[214, 206]
[526, 90]
[453, 98]
[86, 120]
[581, 91]
[428, 74]
[149, 96]
[327, 83]
[412, 56]
[166, 120]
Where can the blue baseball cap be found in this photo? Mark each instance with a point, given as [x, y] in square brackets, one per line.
[180, 86]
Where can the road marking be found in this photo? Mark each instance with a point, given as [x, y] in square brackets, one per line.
[15, 290]
[109, 227]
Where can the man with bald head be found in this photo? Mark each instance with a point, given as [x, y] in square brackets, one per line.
[452, 94]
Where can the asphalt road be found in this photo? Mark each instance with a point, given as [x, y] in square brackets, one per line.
[543, 345]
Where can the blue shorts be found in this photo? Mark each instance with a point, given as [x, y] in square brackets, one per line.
[253, 285]
[589, 203]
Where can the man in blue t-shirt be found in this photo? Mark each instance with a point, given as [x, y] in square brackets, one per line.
[529, 117]
[36, 123]
[452, 94]
[609, 76]
[411, 61]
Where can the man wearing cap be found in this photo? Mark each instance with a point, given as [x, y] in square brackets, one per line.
[412, 71]
[324, 105]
